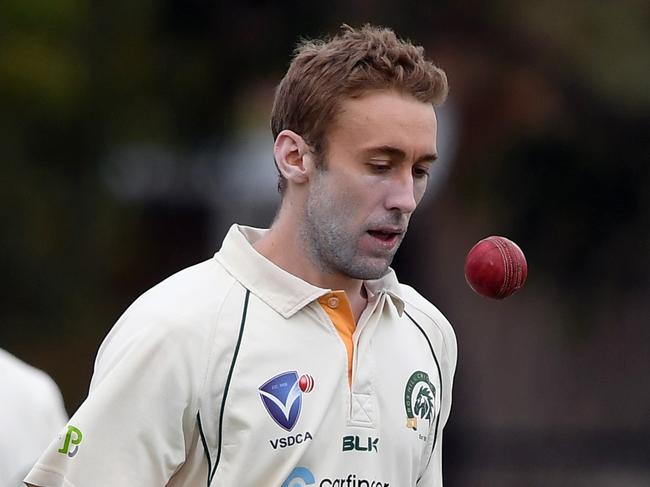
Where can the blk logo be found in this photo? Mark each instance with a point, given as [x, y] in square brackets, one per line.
[72, 437]
[355, 443]
[282, 397]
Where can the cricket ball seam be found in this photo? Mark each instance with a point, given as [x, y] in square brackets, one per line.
[506, 257]
[515, 268]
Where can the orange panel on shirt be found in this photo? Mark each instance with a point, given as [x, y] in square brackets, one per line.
[338, 308]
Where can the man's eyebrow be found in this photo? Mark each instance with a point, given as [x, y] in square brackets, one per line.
[398, 153]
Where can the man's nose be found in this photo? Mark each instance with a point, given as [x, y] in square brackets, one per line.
[402, 194]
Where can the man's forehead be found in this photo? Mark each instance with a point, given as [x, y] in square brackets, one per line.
[388, 110]
[388, 120]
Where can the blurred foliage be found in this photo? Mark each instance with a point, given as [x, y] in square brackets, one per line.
[604, 42]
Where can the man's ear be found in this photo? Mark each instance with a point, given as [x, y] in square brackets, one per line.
[292, 156]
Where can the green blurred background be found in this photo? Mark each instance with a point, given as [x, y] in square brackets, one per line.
[132, 134]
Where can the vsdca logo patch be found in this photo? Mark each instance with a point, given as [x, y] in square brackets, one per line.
[282, 397]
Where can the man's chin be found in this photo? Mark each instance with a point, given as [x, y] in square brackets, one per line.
[371, 269]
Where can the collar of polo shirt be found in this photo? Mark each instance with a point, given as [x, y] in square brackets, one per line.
[279, 289]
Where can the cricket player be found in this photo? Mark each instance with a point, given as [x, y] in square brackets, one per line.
[294, 356]
[31, 412]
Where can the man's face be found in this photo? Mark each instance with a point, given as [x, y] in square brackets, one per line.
[379, 152]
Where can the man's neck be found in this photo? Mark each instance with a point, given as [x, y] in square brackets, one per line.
[282, 246]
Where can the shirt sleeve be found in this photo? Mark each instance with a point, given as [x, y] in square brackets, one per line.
[135, 426]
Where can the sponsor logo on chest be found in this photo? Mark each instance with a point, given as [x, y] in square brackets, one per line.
[356, 443]
[290, 440]
[282, 396]
[301, 477]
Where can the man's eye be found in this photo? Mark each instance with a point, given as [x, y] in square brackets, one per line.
[420, 172]
[379, 168]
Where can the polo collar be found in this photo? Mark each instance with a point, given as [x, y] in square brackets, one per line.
[282, 291]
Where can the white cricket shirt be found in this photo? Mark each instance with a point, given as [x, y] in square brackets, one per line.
[232, 373]
[31, 413]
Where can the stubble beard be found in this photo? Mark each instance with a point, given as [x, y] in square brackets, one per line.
[333, 248]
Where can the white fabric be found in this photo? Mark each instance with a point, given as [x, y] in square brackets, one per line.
[31, 413]
[213, 335]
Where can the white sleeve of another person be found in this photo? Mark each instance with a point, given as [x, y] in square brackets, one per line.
[31, 414]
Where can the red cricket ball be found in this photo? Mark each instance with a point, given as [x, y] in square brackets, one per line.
[495, 267]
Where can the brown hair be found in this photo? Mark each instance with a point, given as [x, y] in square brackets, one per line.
[324, 72]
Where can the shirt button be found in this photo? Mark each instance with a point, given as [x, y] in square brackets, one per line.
[333, 302]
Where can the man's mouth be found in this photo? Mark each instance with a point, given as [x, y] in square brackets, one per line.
[387, 237]
[384, 235]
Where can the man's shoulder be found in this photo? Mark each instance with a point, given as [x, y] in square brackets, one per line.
[181, 307]
[414, 300]
[32, 393]
[178, 315]
[184, 295]
[21, 376]
[426, 314]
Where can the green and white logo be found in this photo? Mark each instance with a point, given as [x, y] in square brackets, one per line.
[419, 399]
[355, 443]
[72, 437]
